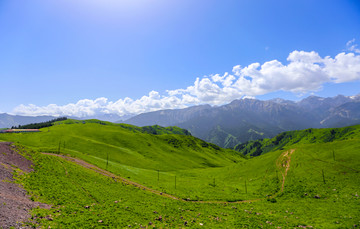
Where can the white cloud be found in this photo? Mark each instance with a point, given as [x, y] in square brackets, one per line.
[352, 47]
[249, 97]
[304, 72]
[343, 68]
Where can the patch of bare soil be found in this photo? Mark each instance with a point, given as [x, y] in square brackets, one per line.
[14, 203]
[283, 164]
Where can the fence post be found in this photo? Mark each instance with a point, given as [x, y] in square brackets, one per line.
[107, 160]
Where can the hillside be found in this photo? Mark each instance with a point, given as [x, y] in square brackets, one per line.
[308, 183]
[151, 147]
[155, 129]
[251, 119]
[291, 138]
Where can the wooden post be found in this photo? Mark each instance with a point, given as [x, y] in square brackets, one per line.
[107, 160]
[323, 176]
[214, 182]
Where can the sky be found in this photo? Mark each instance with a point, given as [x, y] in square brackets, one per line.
[89, 57]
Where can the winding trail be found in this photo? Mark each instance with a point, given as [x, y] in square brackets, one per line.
[283, 164]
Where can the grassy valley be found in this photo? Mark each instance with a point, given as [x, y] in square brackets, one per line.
[301, 178]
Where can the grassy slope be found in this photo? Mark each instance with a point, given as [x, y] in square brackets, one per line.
[114, 205]
[337, 162]
[289, 138]
[70, 188]
[139, 156]
[155, 129]
[126, 145]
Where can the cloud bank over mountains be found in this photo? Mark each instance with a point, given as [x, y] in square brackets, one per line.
[304, 72]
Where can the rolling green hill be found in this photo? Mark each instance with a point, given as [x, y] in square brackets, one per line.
[289, 138]
[165, 149]
[311, 178]
[130, 151]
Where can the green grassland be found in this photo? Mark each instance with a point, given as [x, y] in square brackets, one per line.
[326, 167]
[151, 159]
[286, 139]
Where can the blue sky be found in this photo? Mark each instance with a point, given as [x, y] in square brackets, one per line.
[85, 57]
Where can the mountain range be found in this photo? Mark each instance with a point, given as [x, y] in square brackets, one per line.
[251, 119]
[7, 121]
[239, 121]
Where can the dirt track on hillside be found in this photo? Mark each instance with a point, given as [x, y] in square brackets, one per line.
[14, 203]
[113, 176]
[283, 164]
[284, 157]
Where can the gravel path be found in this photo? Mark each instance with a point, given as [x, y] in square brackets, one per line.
[14, 203]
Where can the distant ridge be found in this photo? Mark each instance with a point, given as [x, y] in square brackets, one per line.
[290, 138]
[7, 121]
[236, 122]
[251, 119]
